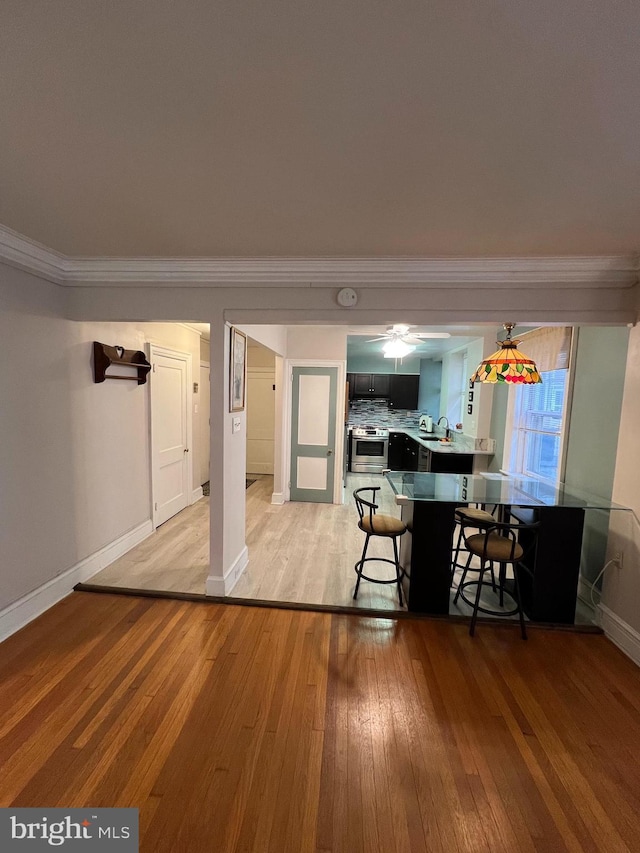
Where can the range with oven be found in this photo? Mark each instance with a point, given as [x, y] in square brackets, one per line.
[369, 450]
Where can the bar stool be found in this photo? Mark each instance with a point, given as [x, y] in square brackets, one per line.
[472, 516]
[498, 543]
[377, 525]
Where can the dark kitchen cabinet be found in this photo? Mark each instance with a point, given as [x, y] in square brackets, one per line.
[407, 454]
[396, 451]
[370, 384]
[451, 463]
[410, 455]
[403, 452]
[403, 391]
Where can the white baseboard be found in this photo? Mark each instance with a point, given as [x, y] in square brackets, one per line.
[619, 632]
[277, 498]
[196, 494]
[223, 586]
[21, 612]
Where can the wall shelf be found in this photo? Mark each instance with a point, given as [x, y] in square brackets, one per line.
[105, 356]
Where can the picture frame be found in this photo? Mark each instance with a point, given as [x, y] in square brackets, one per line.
[237, 370]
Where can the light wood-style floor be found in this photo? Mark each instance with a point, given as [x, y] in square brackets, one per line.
[238, 729]
[300, 552]
[175, 558]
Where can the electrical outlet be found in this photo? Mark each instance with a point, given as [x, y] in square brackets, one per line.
[618, 558]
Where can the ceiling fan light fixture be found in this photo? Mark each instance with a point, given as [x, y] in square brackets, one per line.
[396, 348]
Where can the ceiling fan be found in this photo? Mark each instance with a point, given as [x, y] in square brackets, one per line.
[400, 341]
[400, 332]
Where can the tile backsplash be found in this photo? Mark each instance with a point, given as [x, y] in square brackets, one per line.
[377, 413]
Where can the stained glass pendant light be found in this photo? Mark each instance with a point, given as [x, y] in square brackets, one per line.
[508, 364]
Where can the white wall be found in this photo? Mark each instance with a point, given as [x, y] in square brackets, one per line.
[273, 337]
[74, 460]
[318, 342]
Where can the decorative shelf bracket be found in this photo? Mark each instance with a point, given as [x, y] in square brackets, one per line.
[105, 356]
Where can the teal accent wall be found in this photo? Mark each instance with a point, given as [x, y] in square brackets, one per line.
[429, 388]
[379, 364]
[498, 424]
[593, 432]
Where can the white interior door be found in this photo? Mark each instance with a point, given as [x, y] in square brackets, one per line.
[169, 433]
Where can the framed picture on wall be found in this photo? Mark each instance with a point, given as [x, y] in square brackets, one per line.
[237, 370]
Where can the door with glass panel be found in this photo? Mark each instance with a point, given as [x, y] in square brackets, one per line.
[313, 433]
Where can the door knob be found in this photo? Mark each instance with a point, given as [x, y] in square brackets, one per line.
[186, 450]
[329, 452]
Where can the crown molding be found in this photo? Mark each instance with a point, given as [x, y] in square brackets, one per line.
[26, 254]
[598, 272]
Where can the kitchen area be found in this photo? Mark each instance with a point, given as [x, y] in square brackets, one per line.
[423, 416]
[417, 413]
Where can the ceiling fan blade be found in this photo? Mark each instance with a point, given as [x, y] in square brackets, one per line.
[383, 338]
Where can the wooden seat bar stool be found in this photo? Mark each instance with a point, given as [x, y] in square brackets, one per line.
[374, 524]
[497, 543]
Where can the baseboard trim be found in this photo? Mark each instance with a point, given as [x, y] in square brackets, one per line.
[196, 494]
[277, 498]
[220, 587]
[33, 604]
[626, 638]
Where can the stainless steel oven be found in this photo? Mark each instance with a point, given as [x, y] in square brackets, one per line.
[369, 450]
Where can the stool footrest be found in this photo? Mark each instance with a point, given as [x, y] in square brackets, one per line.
[462, 587]
[378, 560]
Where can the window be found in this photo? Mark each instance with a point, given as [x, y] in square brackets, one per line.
[538, 419]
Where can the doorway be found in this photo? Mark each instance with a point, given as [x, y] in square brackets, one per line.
[171, 431]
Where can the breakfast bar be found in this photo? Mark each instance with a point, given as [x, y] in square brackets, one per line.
[549, 584]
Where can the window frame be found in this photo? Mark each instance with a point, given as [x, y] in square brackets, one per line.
[510, 424]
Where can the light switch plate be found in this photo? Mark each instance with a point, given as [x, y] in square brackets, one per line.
[236, 425]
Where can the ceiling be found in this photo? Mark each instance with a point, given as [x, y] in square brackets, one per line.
[359, 343]
[333, 129]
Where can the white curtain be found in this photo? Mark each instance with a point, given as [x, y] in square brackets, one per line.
[550, 348]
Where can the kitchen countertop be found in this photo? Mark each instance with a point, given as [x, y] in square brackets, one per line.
[430, 444]
[435, 446]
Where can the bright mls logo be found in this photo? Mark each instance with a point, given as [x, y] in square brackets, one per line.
[103, 830]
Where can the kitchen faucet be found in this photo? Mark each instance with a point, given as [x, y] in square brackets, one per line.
[447, 431]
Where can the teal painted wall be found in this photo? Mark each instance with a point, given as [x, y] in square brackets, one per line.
[429, 388]
[498, 424]
[379, 364]
[593, 432]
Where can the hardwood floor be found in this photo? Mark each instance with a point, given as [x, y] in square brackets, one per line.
[254, 729]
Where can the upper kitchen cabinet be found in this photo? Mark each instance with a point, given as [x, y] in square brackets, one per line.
[403, 391]
[369, 385]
